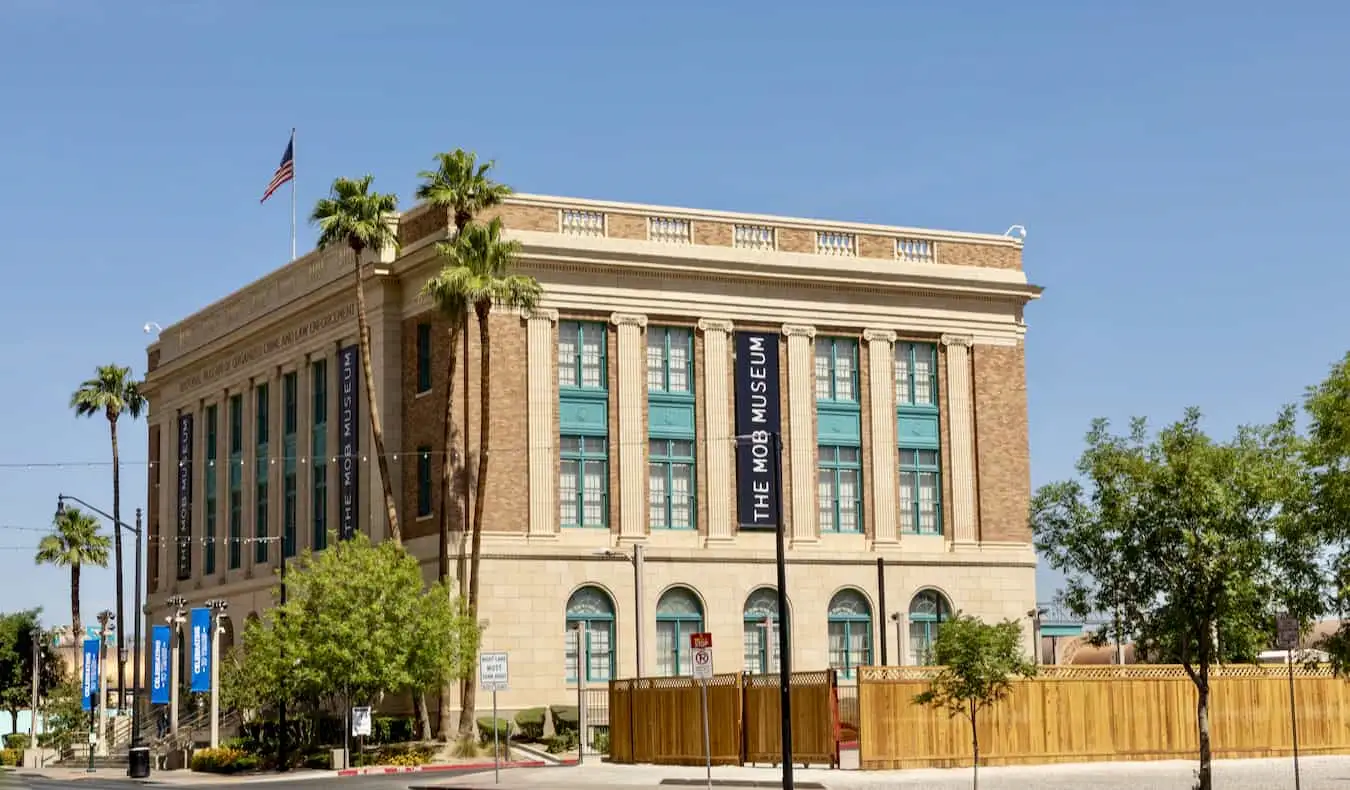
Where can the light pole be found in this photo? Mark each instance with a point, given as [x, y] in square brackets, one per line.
[107, 624]
[1036, 615]
[138, 757]
[217, 607]
[898, 618]
[638, 559]
[178, 605]
[37, 636]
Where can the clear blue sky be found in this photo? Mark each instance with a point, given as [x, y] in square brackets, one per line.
[1181, 169]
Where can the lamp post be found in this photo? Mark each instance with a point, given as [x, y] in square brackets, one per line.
[217, 607]
[138, 757]
[178, 605]
[107, 625]
[638, 559]
[898, 618]
[36, 635]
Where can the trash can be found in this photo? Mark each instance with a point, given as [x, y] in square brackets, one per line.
[138, 762]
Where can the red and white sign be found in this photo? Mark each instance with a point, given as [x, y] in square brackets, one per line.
[700, 641]
[702, 655]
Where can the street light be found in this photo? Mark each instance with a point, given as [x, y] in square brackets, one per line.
[107, 624]
[178, 604]
[898, 619]
[638, 559]
[138, 756]
[217, 607]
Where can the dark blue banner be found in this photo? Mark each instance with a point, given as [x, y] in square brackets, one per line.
[184, 534]
[89, 674]
[159, 665]
[349, 443]
[758, 422]
[200, 621]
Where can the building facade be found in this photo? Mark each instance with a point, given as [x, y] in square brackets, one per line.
[633, 418]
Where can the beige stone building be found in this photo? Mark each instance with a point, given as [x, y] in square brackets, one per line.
[889, 360]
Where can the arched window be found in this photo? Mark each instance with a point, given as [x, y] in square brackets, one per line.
[591, 610]
[678, 614]
[850, 632]
[927, 612]
[761, 631]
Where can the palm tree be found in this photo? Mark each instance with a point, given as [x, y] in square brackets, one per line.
[486, 280]
[359, 218]
[74, 543]
[113, 392]
[461, 187]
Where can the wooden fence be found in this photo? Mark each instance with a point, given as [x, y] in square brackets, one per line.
[660, 720]
[1083, 714]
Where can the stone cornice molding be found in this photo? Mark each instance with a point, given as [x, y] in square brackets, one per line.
[958, 340]
[628, 319]
[793, 330]
[879, 335]
[715, 325]
[544, 313]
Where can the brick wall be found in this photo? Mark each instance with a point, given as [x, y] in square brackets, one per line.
[1002, 453]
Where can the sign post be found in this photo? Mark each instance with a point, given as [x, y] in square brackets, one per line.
[701, 645]
[1286, 638]
[494, 675]
[361, 727]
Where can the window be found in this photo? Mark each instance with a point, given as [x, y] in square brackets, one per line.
[318, 452]
[583, 485]
[423, 357]
[670, 360]
[423, 481]
[920, 492]
[289, 483]
[837, 369]
[761, 631]
[678, 615]
[850, 632]
[839, 487]
[927, 612]
[915, 381]
[212, 466]
[581, 356]
[670, 484]
[261, 470]
[590, 610]
[236, 480]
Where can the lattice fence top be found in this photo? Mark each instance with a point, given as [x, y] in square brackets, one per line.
[1110, 672]
[822, 677]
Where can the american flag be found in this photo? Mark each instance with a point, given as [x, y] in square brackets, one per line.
[285, 170]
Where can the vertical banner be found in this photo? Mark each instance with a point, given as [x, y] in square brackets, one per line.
[89, 674]
[200, 624]
[758, 418]
[184, 542]
[159, 665]
[349, 444]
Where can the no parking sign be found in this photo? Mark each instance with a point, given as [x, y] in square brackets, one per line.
[702, 654]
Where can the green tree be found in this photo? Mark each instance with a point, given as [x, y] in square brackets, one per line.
[1328, 454]
[362, 220]
[357, 624]
[979, 662]
[112, 392]
[75, 542]
[17, 632]
[66, 721]
[461, 187]
[1189, 542]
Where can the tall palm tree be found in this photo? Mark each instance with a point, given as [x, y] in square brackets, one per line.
[111, 393]
[461, 187]
[355, 216]
[487, 281]
[75, 542]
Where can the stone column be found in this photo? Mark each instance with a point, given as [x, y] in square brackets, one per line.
[801, 376]
[717, 427]
[881, 373]
[542, 370]
[248, 483]
[961, 416]
[632, 380]
[385, 306]
[304, 444]
[200, 469]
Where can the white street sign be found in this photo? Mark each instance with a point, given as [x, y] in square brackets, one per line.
[361, 721]
[703, 664]
[493, 674]
[1286, 632]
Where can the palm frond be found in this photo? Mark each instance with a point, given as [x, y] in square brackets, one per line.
[355, 216]
[459, 183]
[75, 540]
[112, 392]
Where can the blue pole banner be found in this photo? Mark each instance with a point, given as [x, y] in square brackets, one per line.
[201, 649]
[89, 674]
[159, 665]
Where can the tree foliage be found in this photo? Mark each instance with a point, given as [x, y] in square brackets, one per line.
[358, 623]
[17, 632]
[979, 662]
[1328, 454]
[1189, 545]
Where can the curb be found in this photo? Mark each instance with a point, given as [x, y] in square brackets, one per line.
[386, 770]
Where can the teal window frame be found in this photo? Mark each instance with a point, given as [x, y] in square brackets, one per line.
[674, 625]
[236, 481]
[911, 523]
[597, 619]
[262, 433]
[663, 464]
[831, 394]
[928, 610]
[660, 340]
[424, 498]
[423, 358]
[833, 468]
[580, 458]
[666, 459]
[318, 371]
[761, 603]
[907, 387]
[209, 486]
[290, 420]
[576, 362]
[850, 616]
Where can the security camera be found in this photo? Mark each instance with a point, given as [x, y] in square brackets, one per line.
[151, 325]
[1019, 230]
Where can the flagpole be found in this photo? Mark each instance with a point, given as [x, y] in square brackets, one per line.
[292, 193]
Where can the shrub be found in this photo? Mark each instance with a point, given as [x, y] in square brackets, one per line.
[397, 755]
[530, 724]
[393, 729]
[488, 725]
[600, 740]
[225, 760]
[566, 719]
[564, 741]
[17, 740]
[12, 757]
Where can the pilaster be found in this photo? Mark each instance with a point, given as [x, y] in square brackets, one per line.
[717, 426]
[248, 478]
[386, 337]
[632, 379]
[961, 416]
[542, 368]
[801, 429]
[881, 374]
[304, 445]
